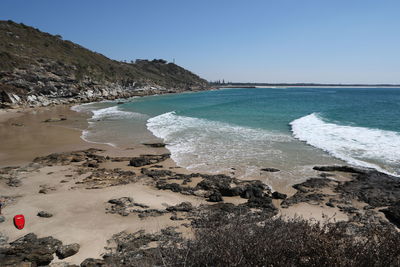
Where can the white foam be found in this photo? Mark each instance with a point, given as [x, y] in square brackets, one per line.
[85, 136]
[201, 144]
[82, 107]
[113, 113]
[356, 145]
[109, 114]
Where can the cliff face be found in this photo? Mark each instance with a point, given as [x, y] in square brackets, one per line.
[38, 68]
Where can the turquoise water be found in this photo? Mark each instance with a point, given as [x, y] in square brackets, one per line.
[289, 128]
[274, 109]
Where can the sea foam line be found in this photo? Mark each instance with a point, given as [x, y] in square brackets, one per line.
[349, 143]
[105, 114]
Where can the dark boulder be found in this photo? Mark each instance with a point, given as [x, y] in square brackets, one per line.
[55, 119]
[270, 170]
[215, 197]
[392, 213]
[139, 162]
[252, 192]
[155, 144]
[44, 214]
[67, 250]
[174, 187]
[277, 195]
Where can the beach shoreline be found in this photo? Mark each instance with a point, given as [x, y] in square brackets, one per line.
[79, 203]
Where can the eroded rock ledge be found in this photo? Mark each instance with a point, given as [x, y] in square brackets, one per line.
[362, 198]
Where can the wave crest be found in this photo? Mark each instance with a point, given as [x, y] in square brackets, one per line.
[357, 145]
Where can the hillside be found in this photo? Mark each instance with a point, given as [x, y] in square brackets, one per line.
[37, 68]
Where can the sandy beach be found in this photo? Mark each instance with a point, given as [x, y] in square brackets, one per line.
[77, 191]
[79, 214]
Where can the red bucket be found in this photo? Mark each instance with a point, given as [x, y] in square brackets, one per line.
[19, 221]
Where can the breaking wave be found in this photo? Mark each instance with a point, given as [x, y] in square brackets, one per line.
[366, 147]
[201, 144]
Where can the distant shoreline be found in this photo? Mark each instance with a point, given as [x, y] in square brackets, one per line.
[264, 85]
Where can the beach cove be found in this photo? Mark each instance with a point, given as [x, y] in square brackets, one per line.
[94, 191]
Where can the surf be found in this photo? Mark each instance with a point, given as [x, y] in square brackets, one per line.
[360, 146]
[200, 144]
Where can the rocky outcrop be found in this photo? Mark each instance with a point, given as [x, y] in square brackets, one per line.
[367, 186]
[35, 251]
[373, 187]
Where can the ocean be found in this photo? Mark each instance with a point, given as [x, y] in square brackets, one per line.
[242, 130]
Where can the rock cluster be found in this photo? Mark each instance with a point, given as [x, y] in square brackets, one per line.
[36, 251]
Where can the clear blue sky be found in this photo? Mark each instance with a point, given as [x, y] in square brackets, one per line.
[348, 41]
